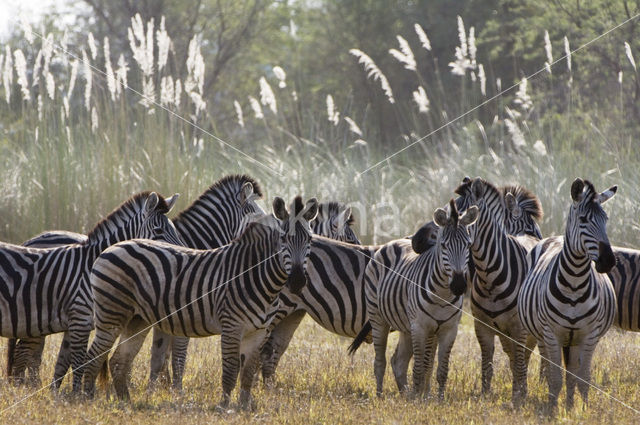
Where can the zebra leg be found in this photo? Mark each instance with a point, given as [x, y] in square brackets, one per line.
[79, 339]
[34, 360]
[423, 352]
[179, 346]
[400, 361]
[486, 338]
[544, 364]
[554, 371]
[516, 350]
[380, 332]
[572, 363]
[445, 344]
[103, 340]
[62, 363]
[277, 344]
[27, 357]
[159, 355]
[584, 371]
[230, 347]
[249, 362]
[131, 341]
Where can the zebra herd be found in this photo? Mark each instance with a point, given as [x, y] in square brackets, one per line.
[225, 267]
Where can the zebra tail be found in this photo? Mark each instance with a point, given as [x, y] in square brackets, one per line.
[11, 355]
[360, 338]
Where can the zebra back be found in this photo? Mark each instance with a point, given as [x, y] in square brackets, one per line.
[219, 214]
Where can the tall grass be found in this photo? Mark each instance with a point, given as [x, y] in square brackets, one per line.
[74, 147]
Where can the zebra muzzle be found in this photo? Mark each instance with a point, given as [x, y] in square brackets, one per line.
[606, 260]
[458, 285]
[297, 280]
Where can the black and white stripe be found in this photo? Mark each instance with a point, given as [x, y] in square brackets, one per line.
[230, 291]
[419, 295]
[213, 220]
[500, 263]
[566, 302]
[46, 291]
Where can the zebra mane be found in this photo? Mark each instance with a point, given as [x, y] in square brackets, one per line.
[225, 188]
[327, 210]
[121, 215]
[464, 189]
[527, 200]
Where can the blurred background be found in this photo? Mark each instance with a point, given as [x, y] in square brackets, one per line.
[314, 93]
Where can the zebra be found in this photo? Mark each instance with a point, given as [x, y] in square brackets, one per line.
[46, 290]
[218, 215]
[26, 353]
[334, 221]
[420, 295]
[229, 291]
[335, 298]
[566, 304]
[500, 264]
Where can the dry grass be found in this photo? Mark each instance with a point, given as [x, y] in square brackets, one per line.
[318, 383]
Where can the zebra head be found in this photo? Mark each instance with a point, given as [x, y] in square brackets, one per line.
[334, 221]
[587, 224]
[453, 244]
[249, 210]
[155, 224]
[295, 239]
[522, 211]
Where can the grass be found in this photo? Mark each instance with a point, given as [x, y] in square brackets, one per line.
[59, 173]
[318, 383]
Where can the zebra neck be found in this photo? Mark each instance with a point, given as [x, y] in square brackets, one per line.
[489, 238]
[99, 244]
[206, 227]
[574, 267]
[433, 276]
[263, 269]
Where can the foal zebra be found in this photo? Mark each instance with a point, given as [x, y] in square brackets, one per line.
[419, 295]
[213, 220]
[45, 291]
[229, 291]
[500, 262]
[564, 302]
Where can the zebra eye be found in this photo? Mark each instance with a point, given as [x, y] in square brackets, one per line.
[158, 231]
[583, 219]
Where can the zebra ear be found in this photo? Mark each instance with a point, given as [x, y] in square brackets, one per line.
[607, 194]
[246, 192]
[171, 201]
[466, 179]
[477, 188]
[440, 217]
[279, 209]
[576, 190]
[151, 203]
[424, 238]
[311, 209]
[512, 204]
[470, 216]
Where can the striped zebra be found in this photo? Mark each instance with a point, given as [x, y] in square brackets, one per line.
[230, 291]
[500, 263]
[26, 353]
[46, 290]
[335, 297]
[213, 220]
[333, 220]
[419, 295]
[566, 302]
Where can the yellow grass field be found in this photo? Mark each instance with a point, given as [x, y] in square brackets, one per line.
[318, 383]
